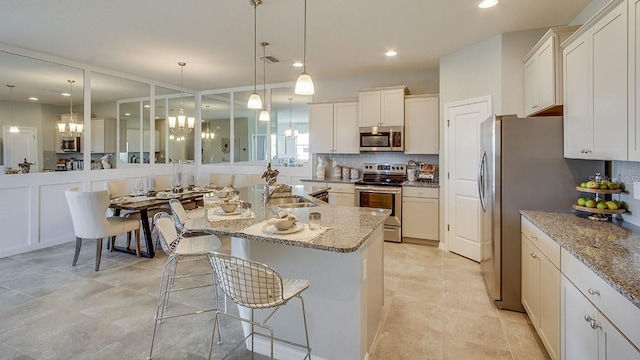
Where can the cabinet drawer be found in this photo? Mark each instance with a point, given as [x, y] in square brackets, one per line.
[542, 241]
[411, 191]
[622, 313]
[341, 188]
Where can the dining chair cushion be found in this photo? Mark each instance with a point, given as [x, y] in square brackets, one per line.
[88, 214]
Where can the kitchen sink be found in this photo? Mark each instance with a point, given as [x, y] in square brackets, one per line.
[296, 205]
[291, 202]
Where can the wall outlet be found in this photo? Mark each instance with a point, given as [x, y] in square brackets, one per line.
[364, 270]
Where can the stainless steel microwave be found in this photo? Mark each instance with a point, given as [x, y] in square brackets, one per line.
[382, 138]
[70, 144]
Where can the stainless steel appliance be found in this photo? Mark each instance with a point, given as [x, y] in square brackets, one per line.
[70, 144]
[381, 187]
[427, 172]
[521, 168]
[382, 138]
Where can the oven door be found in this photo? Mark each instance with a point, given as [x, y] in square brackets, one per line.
[384, 197]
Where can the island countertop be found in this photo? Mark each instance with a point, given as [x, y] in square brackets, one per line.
[610, 250]
[349, 227]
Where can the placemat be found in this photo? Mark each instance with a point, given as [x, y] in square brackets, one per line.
[262, 229]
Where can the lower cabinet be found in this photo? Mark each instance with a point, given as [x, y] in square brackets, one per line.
[541, 285]
[342, 194]
[419, 214]
[587, 333]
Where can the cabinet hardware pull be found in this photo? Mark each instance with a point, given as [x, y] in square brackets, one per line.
[534, 237]
[533, 255]
[593, 292]
[594, 325]
[588, 318]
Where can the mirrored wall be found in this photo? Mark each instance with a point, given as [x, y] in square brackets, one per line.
[289, 128]
[216, 128]
[35, 97]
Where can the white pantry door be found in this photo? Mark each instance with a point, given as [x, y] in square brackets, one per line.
[462, 207]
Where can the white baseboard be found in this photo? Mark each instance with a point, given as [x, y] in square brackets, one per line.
[443, 246]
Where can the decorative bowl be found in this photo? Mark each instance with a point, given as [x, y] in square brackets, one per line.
[229, 206]
[284, 221]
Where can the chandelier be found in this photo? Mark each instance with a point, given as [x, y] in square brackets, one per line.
[182, 119]
[208, 135]
[75, 128]
[290, 132]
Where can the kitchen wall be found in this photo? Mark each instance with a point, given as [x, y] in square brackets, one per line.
[588, 11]
[628, 172]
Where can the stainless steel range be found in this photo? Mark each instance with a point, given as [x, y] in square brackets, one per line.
[381, 187]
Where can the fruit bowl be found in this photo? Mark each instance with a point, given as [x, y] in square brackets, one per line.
[598, 211]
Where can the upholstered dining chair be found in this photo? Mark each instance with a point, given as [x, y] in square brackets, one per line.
[221, 180]
[244, 180]
[90, 221]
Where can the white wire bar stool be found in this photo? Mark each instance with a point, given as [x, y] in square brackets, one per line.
[256, 286]
[180, 249]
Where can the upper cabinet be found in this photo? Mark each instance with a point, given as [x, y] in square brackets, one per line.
[634, 80]
[382, 107]
[333, 127]
[595, 87]
[421, 124]
[543, 73]
[103, 136]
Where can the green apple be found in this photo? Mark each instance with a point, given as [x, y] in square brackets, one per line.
[604, 186]
[592, 185]
[602, 205]
[590, 203]
[583, 185]
[582, 201]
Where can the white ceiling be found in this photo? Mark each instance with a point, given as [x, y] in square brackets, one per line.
[215, 37]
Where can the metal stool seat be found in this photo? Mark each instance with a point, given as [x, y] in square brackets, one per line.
[179, 248]
[256, 286]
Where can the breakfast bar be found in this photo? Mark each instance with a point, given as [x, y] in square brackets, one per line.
[344, 263]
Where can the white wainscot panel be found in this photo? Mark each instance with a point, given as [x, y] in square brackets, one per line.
[55, 218]
[15, 218]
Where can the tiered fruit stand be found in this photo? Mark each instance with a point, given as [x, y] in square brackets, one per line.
[599, 214]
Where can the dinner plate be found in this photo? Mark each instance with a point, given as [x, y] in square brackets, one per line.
[221, 212]
[121, 200]
[270, 229]
[166, 196]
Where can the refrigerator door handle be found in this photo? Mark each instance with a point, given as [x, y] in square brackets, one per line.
[481, 174]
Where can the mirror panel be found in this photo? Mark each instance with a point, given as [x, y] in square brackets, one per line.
[292, 150]
[115, 104]
[216, 128]
[250, 135]
[38, 140]
[181, 139]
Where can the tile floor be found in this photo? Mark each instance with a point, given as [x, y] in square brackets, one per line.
[435, 308]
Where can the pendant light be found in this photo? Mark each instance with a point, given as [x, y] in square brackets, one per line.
[75, 129]
[264, 114]
[254, 100]
[184, 123]
[289, 131]
[304, 84]
[208, 135]
[13, 128]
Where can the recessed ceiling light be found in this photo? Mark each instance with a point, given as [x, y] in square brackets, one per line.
[391, 53]
[127, 114]
[65, 94]
[487, 4]
[157, 117]
[298, 64]
[33, 98]
[147, 106]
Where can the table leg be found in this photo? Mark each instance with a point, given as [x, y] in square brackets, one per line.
[146, 228]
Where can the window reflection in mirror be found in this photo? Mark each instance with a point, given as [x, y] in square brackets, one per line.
[116, 104]
[250, 135]
[34, 106]
[216, 128]
[289, 128]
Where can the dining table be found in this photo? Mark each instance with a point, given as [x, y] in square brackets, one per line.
[142, 205]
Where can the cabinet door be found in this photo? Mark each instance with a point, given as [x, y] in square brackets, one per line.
[531, 92]
[549, 305]
[634, 83]
[345, 128]
[531, 280]
[579, 340]
[578, 126]
[421, 125]
[97, 136]
[613, 345]
[321, 128]
[342, 199]
[369, 108]
[545, 64]
[392, 107]
[609, 51]
[420, 218]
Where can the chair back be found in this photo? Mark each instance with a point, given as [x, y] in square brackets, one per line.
[88, 212]
[244, 180]
[179, 214]
[167, 233]
[164, 182]
[119, 188]
[247, 283]
[221, 180]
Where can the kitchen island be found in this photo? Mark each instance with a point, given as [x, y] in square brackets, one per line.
[344, 264]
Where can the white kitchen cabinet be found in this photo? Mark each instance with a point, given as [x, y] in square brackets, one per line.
[420, 214]
[342, 194]
[587, 333]
[595, 87]
[333, 127]
[133, 140]
[103, 136]
[382, 107]
[421, 123]
[543, 73]
[634, 80]
[541, 285]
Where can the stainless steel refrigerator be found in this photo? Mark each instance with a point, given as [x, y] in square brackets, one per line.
[522, 167]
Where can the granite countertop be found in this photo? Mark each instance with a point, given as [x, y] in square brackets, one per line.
[610, 250]
[350, 227]
[426, 184]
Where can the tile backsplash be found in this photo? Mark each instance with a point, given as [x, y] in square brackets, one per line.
[628, 172]
[357, 161]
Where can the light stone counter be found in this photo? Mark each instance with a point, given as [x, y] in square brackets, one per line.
[610, 250]
[425, 184]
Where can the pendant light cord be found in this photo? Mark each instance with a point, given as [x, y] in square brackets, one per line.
[71, 99]
[264, 71]
[255, 41]
[11, 99]
[304, 51]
